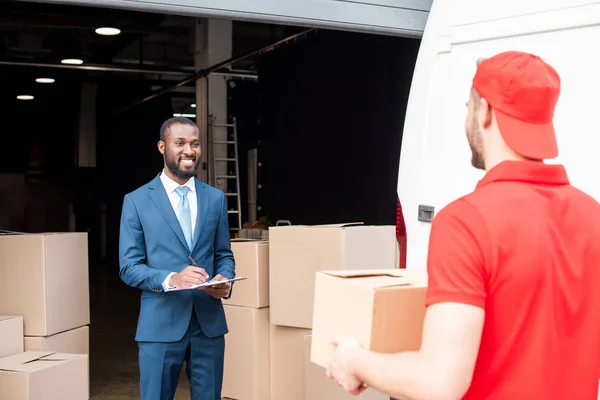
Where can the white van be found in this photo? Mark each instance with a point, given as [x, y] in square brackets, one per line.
[435, 162]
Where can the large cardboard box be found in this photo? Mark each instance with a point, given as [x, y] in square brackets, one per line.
[296, 253]
[246, 373]
[11, 335]
[44, 376]
[49, 285]
[252, 262]
[383, 309]
[287, 363]
[317, 386]
[75, 341]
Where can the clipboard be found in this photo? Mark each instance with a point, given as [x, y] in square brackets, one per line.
[206, 284]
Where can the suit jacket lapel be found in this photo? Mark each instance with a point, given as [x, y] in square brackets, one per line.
[202, 203]
[161, 200]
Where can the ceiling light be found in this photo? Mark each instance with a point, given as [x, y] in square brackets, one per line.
[25, 97]
[185, 115]
[44, 80]
[193, 106]
[107, 31]
[73, 61]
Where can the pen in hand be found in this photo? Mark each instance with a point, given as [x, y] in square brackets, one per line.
[194, 264]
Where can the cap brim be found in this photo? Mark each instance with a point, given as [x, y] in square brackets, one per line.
[534, 141]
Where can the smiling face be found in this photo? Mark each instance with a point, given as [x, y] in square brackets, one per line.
[181, 151]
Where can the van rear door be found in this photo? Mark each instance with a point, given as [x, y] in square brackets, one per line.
[435, 164]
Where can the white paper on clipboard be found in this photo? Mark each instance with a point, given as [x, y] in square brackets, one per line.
[206, 284]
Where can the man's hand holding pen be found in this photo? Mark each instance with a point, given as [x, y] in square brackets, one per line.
[194, 275]
[189, 276]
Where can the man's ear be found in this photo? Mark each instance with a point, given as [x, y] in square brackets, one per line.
[484, 114]
[161, 147]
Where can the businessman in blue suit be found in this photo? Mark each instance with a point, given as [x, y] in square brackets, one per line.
[163, 224]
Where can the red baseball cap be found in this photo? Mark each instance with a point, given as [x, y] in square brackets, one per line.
[523, 91]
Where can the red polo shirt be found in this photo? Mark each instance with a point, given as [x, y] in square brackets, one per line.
[525, 247]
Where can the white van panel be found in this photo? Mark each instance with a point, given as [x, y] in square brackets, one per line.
[473, 11]
[435, 164]
[414, 168]
[548, 21]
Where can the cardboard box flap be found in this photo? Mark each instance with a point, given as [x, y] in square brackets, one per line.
[251, 241]
[324, 226]
[247, 240]
[375, 279]
[62, 357]
[33, 361]
[343, 225]
[365, 273]
[11, 233]
[18, 362]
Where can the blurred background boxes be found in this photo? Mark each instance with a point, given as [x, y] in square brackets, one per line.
[247, 364]
[49, 281]
[11, 335]
[44, 376]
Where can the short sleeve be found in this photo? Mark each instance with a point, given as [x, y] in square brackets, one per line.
[455, 262]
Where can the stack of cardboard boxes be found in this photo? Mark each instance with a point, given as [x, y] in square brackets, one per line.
[246, 374]
[297, 253]
[44, 334]
[306, 285]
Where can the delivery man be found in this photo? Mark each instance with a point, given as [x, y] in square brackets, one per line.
[513, 303]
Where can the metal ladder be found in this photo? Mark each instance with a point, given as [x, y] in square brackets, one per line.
[222, 181]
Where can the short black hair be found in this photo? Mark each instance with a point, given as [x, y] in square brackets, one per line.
[172, 121]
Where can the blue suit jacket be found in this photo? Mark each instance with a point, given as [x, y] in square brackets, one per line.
[152, 245]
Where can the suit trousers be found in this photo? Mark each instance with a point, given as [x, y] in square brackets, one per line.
[160, 365]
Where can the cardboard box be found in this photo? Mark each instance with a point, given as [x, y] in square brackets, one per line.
[252, 262]
[75, 341]
[287, 363]
[318, 386]
[11, 335]
[296, 253]
[49, 286]
[44, 376]
[383, 309]
[246, 373]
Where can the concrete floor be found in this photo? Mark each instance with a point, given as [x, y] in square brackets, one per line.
[114, 370]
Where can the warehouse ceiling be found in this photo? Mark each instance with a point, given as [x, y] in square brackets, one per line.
[35, 33]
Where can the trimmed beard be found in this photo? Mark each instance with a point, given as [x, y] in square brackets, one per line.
[173, 167]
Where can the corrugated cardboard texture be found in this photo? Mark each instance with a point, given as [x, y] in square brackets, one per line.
[44, 376]
[49, 281]
[287, 363]
[297, 253]
[384, 310]
[11, 335]
[246, 373]
[252, 262]
[75, 341]
[317, 386]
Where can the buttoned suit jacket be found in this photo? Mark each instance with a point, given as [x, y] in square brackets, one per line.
[152, 245]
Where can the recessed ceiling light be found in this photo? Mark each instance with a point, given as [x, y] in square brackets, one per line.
[185, 115]
[25, 97]
[107, 31]
[44, 80]
[193, 106]
[74, 61]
